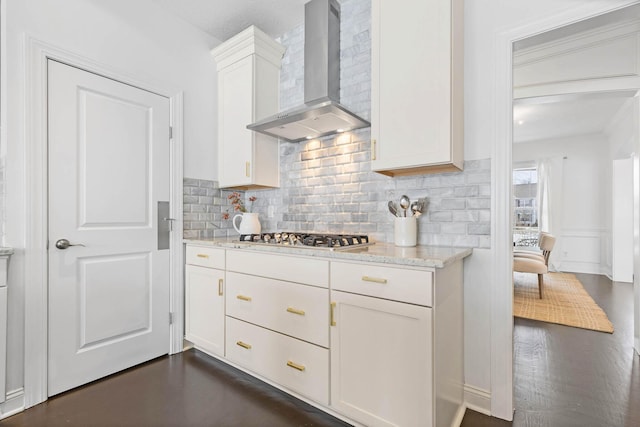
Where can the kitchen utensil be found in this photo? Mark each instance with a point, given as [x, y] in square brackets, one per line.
[415, 209]
[392, 208]
[405, 202]
[422, 206]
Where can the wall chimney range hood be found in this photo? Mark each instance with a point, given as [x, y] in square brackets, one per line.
[322, 114]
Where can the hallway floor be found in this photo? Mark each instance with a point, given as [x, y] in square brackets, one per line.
[567, 377]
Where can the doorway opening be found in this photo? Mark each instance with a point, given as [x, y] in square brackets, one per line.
[572, 121]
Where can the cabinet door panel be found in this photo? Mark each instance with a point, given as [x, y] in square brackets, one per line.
[235, 100]
[381, 361]
[204, 308]
[416, 88]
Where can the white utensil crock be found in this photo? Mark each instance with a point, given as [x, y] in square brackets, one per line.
[405, 231]
[249, 223]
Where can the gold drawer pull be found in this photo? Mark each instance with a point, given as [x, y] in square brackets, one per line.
[244, 345]
[244, 298]
[247, 168]
[203, 256]
[220, 281]
[295, 311]
[332, 320]
[293, 365]
[373, 279]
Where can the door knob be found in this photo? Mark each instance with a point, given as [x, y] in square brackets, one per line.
[64, 244]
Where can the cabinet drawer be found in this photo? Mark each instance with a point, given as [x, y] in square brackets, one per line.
[291, 308]
[205, 256]
[309, 271]
[392, 283]
[294, 364]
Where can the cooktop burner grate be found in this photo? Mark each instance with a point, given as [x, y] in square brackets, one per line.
[309, 240]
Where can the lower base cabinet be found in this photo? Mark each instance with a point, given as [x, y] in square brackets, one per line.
[381, 363]
[204, 305]
[379, 344]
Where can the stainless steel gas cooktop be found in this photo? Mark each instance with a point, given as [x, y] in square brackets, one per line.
[332, 242]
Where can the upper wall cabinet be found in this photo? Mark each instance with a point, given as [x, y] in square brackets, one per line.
[248, 88]
[417, 86]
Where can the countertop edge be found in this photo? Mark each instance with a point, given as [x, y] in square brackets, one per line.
[401, 256]
[5, 251]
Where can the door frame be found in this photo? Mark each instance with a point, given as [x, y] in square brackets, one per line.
[502, 402]
[37, 53]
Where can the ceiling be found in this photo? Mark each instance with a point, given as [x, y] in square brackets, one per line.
[561, 116]
[223, 19]
[556, 117]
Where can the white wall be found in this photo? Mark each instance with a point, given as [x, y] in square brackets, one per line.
[622, 132]
[584, 216]
[132, 38]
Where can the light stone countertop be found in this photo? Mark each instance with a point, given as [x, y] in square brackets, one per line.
[6, 251]
[380, 252]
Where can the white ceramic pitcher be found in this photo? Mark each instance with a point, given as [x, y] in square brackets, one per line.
[249, 223]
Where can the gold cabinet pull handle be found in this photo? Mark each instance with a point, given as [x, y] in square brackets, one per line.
[244, 345]
[293, 365]
[332, 319]
[295, 311]
[244, 298]
[220, 281]
[373, 149]
[203, 256]
[248, 169]
[373, 279]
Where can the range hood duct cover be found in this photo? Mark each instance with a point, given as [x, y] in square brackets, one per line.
[322, 114]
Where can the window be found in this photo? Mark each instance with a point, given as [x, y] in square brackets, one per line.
[525, 207]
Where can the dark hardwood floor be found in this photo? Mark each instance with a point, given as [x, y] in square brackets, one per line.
[564, 377]
[188, 389]
[568, 377]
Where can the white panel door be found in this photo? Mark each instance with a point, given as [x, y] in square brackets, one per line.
[108, 167]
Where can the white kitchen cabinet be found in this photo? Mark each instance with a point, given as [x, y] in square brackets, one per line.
[381, 364]
[397, 352]
[204, 299]
[297, 365]
[248, 67]
[278, 319]
[417, 86]
[376, 343]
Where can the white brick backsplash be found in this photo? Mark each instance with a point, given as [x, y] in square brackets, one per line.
[327, 184]
[203, 206]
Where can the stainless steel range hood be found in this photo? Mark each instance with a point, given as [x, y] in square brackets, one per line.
[322, 114]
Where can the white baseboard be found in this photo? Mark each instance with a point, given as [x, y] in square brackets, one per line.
[459, 416]
[477, 399]
[13, 404]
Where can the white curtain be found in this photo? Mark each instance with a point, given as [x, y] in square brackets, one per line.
[550, 202]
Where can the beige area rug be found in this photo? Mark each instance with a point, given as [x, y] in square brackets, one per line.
[565, 302]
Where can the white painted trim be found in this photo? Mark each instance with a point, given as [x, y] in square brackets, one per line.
[13, 404]
[177, 251]
[477, 399]
[37, 53]
[502, 404]
[459, 416]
